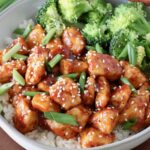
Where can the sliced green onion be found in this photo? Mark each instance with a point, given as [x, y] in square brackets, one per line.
[19, 31]
[32, 94]
[55, 60]
[124, 54]
[61, 118]
[19, 56]
[98, 48]
[126, 81]
[90, 48]
[5, 87]
[11, 52]
[82, 81]
[27, 31]
[131, 54]
[72, 75]
[148, 89]
[129, 124]
[49, 36]
[1, 108]
[18, 77]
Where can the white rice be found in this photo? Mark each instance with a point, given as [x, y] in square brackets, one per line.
[44, 136]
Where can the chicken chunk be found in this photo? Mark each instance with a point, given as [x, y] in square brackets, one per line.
[147, 120]
[25, 119]
[135, 109]
[36, 65]
[91, 137]
[73, 66]
[62, 130]
[45, 84]
[120, 97]
[88, 96]
[74, 40]
[1, 57]
[66, 93]
[36, 36]
[24, 47]
[103, 95]
[81, 114]
[43, 103]
[133, 74]
[56, 47]
[103, 65]
[105, 120]
[7, 68]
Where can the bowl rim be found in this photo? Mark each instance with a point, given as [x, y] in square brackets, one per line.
[15, 134]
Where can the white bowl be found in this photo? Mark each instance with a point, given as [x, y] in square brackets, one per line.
[10, 18]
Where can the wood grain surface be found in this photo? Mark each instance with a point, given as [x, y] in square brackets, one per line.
[7, 143]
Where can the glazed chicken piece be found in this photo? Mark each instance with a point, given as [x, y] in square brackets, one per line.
[120, 97]
[105, 120]
[103, 95]
[36, 36]
[62, 130]
[66, 93]
[133, 74]
[81, 115]
[73, 40]
[91, 137]
[43, 103]
[147, 116]
[36, 65]
[24, 47]
[136, 109]
[1, 57]
[7, 68]
[56, 47]
[25, 119]
[88, 96]
[73, 66]
[103, 65]
[45, 84]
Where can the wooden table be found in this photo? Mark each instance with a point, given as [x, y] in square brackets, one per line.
[8, 144]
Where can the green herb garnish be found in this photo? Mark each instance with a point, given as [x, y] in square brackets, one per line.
[5, 87]
[82, 81]
[32, 94]
[18, 77]
[129, 124]
[61, 118]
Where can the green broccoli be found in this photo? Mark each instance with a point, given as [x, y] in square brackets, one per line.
[73, 9]
[49, 17]
[127, 15]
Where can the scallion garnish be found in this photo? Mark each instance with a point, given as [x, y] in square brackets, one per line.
[19, 56]
[18, 77]
[19, 31]
[11, 52]
[82, 81]
[98, 48]
[32, 93]
[126, 81]
[5, 87]
[55, 60]
[27, 31]
[129, 124]
[131, 54]
[49, 36]
[61, 118]
[72, 75]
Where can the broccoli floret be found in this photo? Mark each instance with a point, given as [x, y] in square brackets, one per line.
[125, 15]
[119, 42]
[73, 9]
[49, 17]
[99, 9]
